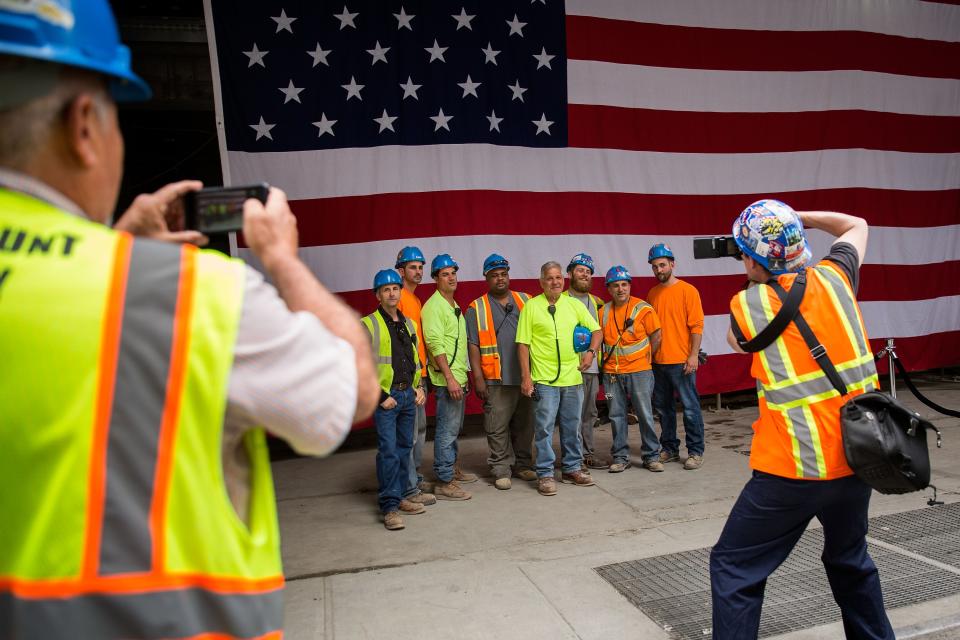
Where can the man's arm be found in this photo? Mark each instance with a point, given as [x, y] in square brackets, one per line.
[732, 341]
[479, 384]
[526, 382]
[844, 227]
[586, 358]
[656, 338]
[271, 233]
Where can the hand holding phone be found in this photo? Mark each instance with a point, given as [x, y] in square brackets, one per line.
[220, 209]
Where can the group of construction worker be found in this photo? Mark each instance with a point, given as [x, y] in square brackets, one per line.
[536, 363]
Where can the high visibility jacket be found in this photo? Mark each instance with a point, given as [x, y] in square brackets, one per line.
[798, 432]
[116, 519]
[625, 350]
[487, 333]
[383, 348]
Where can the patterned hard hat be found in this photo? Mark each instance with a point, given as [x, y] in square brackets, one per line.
[495, 261]
[617, 273]
[581, 259]
[771, 233]
[581, 338]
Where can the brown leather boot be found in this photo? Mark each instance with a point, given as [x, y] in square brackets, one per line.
[392, 521]
[450, 491]
[578, 478]
[411, 508]
[547, 486]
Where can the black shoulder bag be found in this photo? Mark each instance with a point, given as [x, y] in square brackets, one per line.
[884, 441]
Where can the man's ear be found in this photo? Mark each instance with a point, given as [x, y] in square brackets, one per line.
[83, 130]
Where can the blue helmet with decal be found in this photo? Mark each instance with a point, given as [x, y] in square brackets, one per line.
[617, 273]
[770, 232]
[495, 261]
[441, 262]
[660, 250]
[385, 277]
[581, 338]
[582, 259]
[409, 254]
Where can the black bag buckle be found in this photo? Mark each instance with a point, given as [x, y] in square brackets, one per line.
[818, 351]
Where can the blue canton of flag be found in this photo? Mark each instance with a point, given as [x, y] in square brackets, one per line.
[299, 76]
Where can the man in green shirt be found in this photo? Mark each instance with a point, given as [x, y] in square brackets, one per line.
[445, 333]
[550, 374]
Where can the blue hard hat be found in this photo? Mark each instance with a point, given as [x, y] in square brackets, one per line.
[581, 338]
[617, 273]
[409, 254]
[385, 277]
[495, 261]
[442, 261]
[660, 250]
[78, 34]
[770, 232]
[581, 259]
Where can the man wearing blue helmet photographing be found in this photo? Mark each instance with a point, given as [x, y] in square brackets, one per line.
[799, 467]
[138, 374]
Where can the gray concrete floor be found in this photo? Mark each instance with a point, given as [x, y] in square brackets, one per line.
[514, 564]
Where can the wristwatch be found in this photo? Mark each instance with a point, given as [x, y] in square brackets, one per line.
[593, 351]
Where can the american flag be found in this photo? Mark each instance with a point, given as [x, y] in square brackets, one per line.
[540, 129]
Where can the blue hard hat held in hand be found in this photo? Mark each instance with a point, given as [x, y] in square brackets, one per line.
[617, 273]
[385, 277]
[495, 261]
[441, 262]
[409, 254]
[582, 259]
[660, 250]
[77, 34]
[771, 232]
[581, 338]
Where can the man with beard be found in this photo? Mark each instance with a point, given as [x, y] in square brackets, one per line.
[677, 304]
[491, 336]
[581, 270]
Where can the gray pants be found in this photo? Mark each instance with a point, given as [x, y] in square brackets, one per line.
[416, 453]
[588, 415]
[507, 420]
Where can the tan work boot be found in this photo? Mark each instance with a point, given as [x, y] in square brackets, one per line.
[411, 508]
[578, 478]
[526, 474]
[669, 456]
[425, 499]
[547, 486]
[450, 491]
[693, 462]
[463, 477]
[619, 467]
[653, 465]
[502, 483]
[426, 487]
[392, 521]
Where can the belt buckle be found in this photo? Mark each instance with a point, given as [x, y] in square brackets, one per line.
[613, 377]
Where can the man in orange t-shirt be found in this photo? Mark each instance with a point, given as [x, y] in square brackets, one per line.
[678, 307]
[409, 264]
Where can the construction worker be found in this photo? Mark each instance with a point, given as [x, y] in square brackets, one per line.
[138, 500]
[394, 339]
[491, 337]
[799, 467]
[580, 270]
[550, 373]
[446, 334]
[631, 335]
[409, 265]
[678, 307]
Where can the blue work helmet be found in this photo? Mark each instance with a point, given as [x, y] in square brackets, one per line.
[660, 250]
[441, 262]
[495, 261]
[77, 34]
[385, 277]
[771, 233]
[409, 254]
[617, 273]
[581, 259]
[581, 338]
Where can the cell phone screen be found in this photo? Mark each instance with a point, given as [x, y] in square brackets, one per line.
[220, 209]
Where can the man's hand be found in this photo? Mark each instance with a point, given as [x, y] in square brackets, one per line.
[454, 389]
[690, 366]
[526, 387]
[388, 404]
[480, 387]
[159, 215]
[421, 396]
[586, 359]
[270, 230]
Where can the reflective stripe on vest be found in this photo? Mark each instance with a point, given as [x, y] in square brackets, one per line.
[123, 527]
[487, 333]
[383, 349]
[620, 350]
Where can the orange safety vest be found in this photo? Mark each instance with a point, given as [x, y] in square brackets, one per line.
[489, 354]
[623, 353]
[798, 432]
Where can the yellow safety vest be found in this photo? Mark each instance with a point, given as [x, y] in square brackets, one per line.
[116, 521]
[487, 333]
[383, 348]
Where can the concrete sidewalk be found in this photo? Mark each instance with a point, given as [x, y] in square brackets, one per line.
[514, 564]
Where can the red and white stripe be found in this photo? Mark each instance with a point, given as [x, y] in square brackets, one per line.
[680, 114]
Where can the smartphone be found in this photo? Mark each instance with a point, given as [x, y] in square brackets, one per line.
[220, 209]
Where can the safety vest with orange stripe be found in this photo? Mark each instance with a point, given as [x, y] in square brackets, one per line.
[798, 432]
[117, 522]
[625, 350]
[487, 333]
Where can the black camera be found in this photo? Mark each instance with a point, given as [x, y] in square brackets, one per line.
[220, 209]
[716, 247]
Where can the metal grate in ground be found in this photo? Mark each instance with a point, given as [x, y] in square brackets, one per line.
[932, 532]
[674, 590]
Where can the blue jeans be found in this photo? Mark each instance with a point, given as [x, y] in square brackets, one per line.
[567, 402]
[394, 441]
[416, 453]
[669, 378]
[636, 387]
[764, 525]
[449, 422]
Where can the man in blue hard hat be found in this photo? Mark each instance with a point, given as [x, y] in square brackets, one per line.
[445, 331]
[394, 339]
[491, 334]
[138, 373]
[580, 271]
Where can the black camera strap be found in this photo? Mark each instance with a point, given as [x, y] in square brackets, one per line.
[789, 309]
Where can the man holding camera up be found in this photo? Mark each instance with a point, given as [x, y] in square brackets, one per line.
[550, 373]
[491, 333]
[446, 334]
[138, 373]
[799, 467]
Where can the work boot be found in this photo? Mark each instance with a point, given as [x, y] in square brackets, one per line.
[653, 465]
[591, 461]
[411, 508]
[693, 462]
[502, 483]
[547, 486]
[632, 418]
[619, 467]
[450, 491]
[526, 474]
[425, 499]
[669, 456]
[578, 478]
[426, 487]
[392, 521]
[462, 476]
